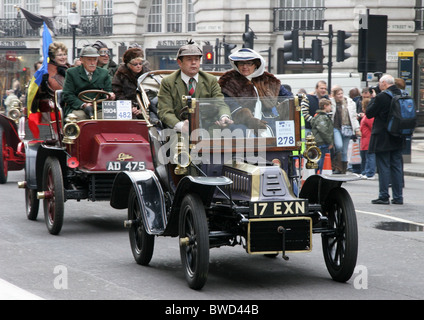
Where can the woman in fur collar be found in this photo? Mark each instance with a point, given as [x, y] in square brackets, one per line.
[124, 83]
[251, 92]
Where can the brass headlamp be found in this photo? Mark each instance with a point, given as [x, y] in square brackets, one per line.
[312, 153]
[71, 130]
[14, 111]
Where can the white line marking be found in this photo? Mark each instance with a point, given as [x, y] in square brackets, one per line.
[390, 217]
[9, 291]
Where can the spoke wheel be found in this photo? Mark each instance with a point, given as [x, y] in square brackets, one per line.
[3, 158]
[194, 241]
[340, 244]
[54, 201]
[141, 242]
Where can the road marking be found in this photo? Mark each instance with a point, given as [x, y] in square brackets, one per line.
[9, 291]
[390, 217]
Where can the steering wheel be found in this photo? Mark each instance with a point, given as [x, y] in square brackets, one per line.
[83, 97]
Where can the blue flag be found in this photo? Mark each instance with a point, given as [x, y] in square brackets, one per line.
[38, 76]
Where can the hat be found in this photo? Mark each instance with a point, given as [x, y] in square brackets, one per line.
[89, 52]
[132, 53]
[189, 50]
[99, 44]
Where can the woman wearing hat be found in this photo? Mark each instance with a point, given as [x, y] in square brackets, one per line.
[251, 92]
[54, 79]
[124, 83]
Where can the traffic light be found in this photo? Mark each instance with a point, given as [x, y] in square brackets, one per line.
[227, 51]
[248, 39]
[291, 48]
[317, 50]
[342, 45]
[208, 54]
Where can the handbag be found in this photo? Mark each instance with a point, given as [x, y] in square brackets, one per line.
[347, 131]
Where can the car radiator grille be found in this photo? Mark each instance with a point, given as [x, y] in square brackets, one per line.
[100, 187]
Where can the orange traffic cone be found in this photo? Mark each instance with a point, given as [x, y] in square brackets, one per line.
[326, 168]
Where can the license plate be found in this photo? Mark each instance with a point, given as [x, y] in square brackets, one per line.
[125, 166]
[278, 208]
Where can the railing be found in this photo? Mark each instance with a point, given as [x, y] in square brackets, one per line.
[16, 28]
[302, 18]
[89, 25]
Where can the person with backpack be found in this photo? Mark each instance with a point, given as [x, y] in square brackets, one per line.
[387, 147]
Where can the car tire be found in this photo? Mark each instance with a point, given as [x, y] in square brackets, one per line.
[54, 203]
[3, 160]
[142, 243]
[340, 243]
[193, 225]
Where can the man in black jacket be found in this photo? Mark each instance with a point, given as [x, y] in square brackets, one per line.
[387, 148]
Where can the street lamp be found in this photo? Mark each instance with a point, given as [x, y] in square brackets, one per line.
[74, 20]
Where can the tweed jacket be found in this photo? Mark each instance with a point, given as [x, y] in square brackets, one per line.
[76, 81]
[173, 88]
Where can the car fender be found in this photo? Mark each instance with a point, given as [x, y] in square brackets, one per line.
[316, 188]
[150, 198]
[43, 153]
[31, 149]
[204, 187]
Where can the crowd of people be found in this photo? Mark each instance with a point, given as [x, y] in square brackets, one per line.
[334, 118]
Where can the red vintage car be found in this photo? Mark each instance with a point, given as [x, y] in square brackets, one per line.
[81, 158]
[12, 132]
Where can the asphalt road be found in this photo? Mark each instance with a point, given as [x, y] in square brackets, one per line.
[91, 258]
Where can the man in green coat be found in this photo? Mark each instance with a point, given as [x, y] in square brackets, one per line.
[189, 81]
[85, 77]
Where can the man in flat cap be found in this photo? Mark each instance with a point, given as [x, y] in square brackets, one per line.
[85, 77]
[189, 81]
[105, 60]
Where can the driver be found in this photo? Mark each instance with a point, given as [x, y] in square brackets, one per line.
[87, 76]
[189, 80]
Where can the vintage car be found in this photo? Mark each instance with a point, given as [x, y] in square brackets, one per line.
[12, 133]
[225, 187]
[81, 158]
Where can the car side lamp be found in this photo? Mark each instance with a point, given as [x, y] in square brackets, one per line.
[312, 153]
[71, 130]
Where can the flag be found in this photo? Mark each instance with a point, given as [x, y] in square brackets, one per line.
[36, 21]
[36, 82]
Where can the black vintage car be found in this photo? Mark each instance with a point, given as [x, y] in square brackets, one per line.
[234, 187]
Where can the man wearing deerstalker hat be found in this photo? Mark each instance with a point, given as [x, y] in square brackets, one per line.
[188, 81]
[85, 77]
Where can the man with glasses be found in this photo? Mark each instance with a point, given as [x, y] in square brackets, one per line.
[104, 60]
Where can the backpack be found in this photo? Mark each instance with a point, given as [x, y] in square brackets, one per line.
[402, 118]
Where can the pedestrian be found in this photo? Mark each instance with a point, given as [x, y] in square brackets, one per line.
[252, 94]
[365, 94]
[346, 126]
[322, 129]
[124, 83]
[387, 148]
[310, 104]
[368, 166]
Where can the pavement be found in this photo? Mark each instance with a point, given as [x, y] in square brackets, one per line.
[415, 167]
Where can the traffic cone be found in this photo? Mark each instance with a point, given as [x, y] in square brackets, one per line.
[326, 168]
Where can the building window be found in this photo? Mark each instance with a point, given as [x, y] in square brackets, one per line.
[175, 16]
[419, 15]
[299, 14]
